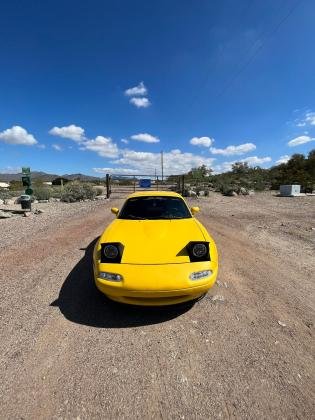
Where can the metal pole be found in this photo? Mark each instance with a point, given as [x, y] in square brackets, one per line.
[107, 186]
[162, 166]
[134, 184]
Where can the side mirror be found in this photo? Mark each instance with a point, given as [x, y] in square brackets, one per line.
[114, 210]
[195, 210]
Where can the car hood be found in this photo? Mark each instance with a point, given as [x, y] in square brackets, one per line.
[153, 241]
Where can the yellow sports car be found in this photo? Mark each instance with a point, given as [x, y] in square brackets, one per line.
[155, 252]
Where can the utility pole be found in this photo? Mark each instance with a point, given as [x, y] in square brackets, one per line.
[162, 165]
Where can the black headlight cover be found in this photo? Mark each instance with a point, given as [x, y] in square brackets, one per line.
[192, 257]
[117, 259]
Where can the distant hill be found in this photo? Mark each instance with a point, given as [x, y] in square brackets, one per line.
[48, 177]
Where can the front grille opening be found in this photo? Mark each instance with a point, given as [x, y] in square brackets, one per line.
[156, 299]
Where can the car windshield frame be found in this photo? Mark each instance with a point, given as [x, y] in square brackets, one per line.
[155, 207]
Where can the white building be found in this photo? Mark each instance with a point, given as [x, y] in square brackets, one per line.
[290, 190]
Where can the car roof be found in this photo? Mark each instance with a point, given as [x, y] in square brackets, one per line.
[154, 194]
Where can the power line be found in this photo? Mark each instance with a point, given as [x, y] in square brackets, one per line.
[244, 11]
[257, 51]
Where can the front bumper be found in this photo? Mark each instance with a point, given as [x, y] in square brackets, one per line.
[155, 285]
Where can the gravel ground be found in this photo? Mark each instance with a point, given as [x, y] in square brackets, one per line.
[54, 214]
[67, 352]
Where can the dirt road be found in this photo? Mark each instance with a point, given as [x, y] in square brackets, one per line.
[67, 352]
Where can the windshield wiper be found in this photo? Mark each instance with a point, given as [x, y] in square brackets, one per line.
[131, 216]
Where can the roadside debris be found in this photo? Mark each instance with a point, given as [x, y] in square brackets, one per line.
[217, 298]
[5, 215]
[282, 324]
[38, 211]
[220, 284]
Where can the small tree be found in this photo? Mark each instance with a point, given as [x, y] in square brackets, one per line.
[240, 168]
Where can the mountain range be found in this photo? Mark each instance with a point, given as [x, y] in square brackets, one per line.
[47, 177]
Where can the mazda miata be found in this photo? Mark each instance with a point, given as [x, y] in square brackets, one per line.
[155, 252]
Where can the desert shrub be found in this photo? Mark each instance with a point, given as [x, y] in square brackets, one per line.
[16, 186]
[42, 193]
[56, 191]
[99, 190]
[5, 194]
[76, 191]
[227, 189]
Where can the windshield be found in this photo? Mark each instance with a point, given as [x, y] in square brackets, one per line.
[142, 208]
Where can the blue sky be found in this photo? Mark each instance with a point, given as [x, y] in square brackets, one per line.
[214, 82]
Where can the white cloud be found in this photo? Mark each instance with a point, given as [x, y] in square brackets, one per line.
[17, 135]
[222, 167]
[139, 90]
[282, 159]
[254, 160]
[41, 146]
[121, 171]
[251, 160]
[103, 146]
[71, 131]
[145, 137]
[175, 161]
[140, 102]
[201, 141]
[234, 150]
[300, 140]
[308, 119]
[56, 147]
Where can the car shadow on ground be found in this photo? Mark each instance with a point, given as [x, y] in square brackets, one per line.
[80, 302]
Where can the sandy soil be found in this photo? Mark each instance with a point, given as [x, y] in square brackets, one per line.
[67, 352]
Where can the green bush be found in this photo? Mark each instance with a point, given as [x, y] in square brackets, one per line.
[76, 191]
[42, 193]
